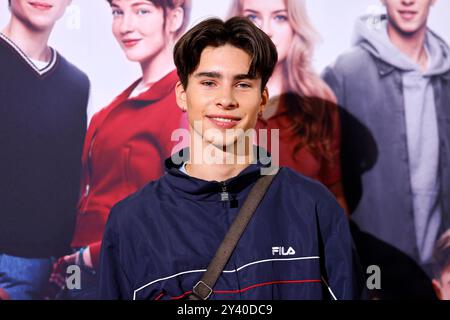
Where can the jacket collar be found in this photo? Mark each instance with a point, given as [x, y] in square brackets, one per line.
[383, 68]
[159, 90]
[198, 189]
[39, 72]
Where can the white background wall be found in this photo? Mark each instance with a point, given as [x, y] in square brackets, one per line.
[84, 36]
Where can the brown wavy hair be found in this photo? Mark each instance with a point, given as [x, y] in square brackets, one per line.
[309, 101]
[237, 31]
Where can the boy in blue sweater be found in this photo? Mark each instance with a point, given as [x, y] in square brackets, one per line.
[43, 101]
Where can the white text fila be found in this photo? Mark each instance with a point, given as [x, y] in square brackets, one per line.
[281, 251]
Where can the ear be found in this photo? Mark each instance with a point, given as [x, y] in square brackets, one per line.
[437, 288]
[383, 2]
[176, 19]
[180, 93]
[433, 2]
[264, 99]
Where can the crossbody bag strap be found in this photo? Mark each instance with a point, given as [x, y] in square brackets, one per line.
[203, 289]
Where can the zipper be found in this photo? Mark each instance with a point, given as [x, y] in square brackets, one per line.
[89, 166]
[89, 156]
[224, 195]
[86, 190]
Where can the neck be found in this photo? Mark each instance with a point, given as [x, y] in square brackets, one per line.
[32, 42]
[157, 67]
[412, 45]
[275, 87]
[275, 84]
[216, 164]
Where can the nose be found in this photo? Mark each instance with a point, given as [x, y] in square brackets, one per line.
[226, 99]
[408, 2]
[266, 26]
[126, 24]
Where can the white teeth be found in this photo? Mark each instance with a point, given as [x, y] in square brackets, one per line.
[223, 119]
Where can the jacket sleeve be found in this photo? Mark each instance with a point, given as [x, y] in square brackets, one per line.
[340, 267]
[330, 171]
[95, 253]
[334, 81]
[113, 281]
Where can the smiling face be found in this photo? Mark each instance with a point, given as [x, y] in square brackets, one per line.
[408, 17]
[39, 15]
[271, 16]
[139, 28]
[221, 99]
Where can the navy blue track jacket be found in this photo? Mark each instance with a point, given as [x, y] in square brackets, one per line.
[159, 241]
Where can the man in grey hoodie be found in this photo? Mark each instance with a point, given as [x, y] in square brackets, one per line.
[394, 91]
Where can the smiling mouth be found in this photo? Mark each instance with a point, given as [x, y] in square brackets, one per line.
[407, 15]
[41, 5]
[222, 121]
[130, 43]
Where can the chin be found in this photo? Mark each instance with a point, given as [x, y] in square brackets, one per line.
[220, 142]
[409, 30]
[42, 24]
[409, 27]
[131, 57]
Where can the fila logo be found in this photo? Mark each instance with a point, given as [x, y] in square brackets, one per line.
[281, 251]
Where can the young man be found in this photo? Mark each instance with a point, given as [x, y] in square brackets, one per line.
[159, 241]
[43, 100]
[441, 267]
[394, 90]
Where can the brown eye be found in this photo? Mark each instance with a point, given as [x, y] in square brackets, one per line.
[208, 83]
[243, 85]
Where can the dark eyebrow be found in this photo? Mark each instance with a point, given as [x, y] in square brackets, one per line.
[244, 77]
[208, 74]
[217, 75]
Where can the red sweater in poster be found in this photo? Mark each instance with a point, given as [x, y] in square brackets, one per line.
[125, 147]
[304, 161]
